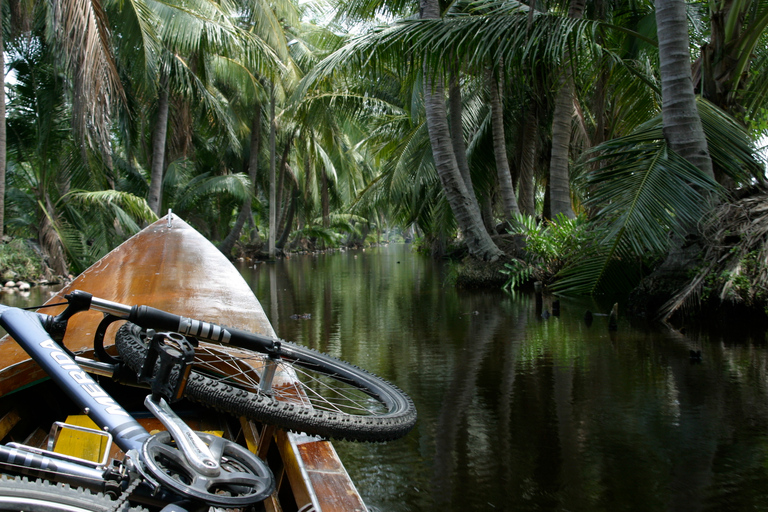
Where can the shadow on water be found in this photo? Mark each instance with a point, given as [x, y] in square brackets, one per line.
[519, 412]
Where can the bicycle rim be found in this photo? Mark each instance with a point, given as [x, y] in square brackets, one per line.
[310, 392]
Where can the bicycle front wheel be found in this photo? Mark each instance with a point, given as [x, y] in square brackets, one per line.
[17, 493]
[311, 392]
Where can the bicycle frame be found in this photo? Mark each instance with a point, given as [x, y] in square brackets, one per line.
[87, 394]
[28, 331]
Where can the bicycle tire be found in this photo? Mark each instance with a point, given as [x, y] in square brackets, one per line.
[19, 493]
[356, 406]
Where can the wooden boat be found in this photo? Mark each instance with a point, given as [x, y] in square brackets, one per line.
[170, 266]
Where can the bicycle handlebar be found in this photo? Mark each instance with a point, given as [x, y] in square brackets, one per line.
[152, 318]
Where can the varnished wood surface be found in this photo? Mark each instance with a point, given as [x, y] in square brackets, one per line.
[176, 269]
[171, 268]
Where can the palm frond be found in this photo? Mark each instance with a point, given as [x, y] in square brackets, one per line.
[644, 196]
[236, 186]
[129, 206]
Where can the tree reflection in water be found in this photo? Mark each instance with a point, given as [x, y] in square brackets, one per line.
[520, 413]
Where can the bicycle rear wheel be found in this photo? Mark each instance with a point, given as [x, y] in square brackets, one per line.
[311, 392]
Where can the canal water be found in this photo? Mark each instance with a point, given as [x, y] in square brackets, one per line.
[523, 411]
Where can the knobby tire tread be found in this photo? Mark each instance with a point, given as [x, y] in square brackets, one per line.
[20, 493]
[260, 407]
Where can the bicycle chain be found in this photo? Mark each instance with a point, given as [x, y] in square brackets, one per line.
[126, 494]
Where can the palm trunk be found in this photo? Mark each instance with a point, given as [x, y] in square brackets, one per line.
[506, 190]
[280, 244]
[272, 184]
[2, 130]
[50, 241]
[154, 201]
[325, 198]
[526, 187]
[464, 206]
[682, 124]
[486, 212]
[281, 188]
[559, 179]
[457, 129]
[228, 243]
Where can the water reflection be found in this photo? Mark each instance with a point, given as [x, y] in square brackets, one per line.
[518, 412]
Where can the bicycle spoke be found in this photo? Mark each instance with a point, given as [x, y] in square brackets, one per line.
[298, 385]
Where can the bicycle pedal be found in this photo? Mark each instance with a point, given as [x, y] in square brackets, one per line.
[167, 352]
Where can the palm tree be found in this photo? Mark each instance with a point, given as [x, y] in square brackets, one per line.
[464, 206]
[682, 124]
[500, 149]
[559, 181]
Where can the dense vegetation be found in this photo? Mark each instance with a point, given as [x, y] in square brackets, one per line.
[490, 124]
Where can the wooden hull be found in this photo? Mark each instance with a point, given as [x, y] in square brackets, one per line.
[170, 266]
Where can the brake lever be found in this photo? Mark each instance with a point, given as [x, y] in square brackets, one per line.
[56, 326]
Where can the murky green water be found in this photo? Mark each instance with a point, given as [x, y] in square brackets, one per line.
[518, 412]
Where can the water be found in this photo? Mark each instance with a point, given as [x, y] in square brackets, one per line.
[519, 412]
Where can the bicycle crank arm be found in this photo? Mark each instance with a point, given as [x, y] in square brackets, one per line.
[196, 452]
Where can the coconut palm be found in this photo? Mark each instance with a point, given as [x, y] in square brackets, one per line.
[559, 182]
[56, 191]
[682, 125]
[643, 193]
[506, 190]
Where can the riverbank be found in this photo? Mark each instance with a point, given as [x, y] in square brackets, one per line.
[23, 268]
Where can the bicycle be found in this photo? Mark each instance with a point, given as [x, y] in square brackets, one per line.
[173, 470]
[265, 379]
[262, 378]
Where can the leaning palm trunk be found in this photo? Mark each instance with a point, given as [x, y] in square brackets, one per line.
[50, 241]
[457, 130]
[464, 206]
[559, 180]
[288, 224]
[158, 149]
[682, 124]
[228, 243]
[504, 177]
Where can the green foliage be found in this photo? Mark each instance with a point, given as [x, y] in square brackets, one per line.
[549, 246]
[18, 261]
[647, 198]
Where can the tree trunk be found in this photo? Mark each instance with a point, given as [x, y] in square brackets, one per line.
[457, 129]
[280, 244]
[2, 130]
[282, 191]
[486, 212]
[682, 124]
[228, 243]
[159, 135]
[503, 175]
[464, 206]
[50, 241]
[326, 202]
[272, 184]
[559, 179]
[526, 186]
